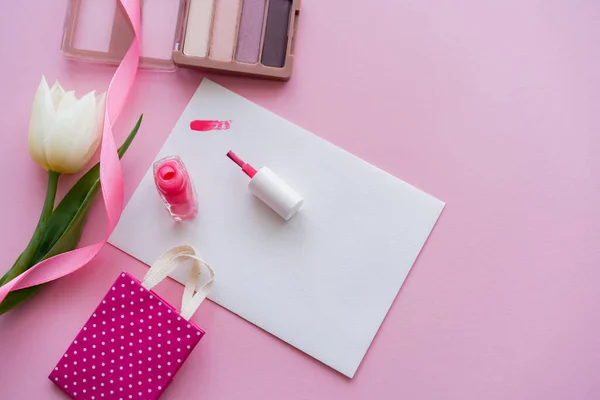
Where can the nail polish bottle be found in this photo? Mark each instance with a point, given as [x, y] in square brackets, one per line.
[175, 188]
[270, 189]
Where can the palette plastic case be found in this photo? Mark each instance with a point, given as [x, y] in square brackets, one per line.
[244, 37]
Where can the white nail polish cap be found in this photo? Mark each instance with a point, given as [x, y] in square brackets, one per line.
[274, 192]
[271, 189]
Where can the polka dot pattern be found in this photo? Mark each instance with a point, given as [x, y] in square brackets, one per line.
[130, 348]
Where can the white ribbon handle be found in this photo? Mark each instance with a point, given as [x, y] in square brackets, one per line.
[167, 264]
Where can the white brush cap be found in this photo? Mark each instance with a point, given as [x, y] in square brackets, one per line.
[275, 193]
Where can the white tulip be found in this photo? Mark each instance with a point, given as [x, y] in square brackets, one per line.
[64, 132]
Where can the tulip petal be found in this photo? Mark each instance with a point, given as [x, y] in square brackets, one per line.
[43, 115]
[66, 102]
[57, 93]
[98, 124]
[100, 109]
[74, 136]
[101, 104]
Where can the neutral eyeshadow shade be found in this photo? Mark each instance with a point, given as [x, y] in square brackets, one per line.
[158, 29]
[224, 30]
[197, 33]
[250, 33]
[95, 21]
[275, 43]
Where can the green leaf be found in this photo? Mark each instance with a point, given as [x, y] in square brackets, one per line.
[65, 225]
[24, 261]
[17, 297]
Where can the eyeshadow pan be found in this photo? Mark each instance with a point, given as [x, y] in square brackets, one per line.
[224, 30]
[250, 33]
[276, 33]
[197, 33]
[163, 14]
[94, 25]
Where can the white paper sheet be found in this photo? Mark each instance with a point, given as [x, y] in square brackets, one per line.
[323, 281]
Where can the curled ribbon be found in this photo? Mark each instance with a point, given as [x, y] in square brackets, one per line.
[111, 178]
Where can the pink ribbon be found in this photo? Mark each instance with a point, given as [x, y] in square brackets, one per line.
[111, 177]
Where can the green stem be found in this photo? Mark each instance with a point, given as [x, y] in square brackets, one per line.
[50, 197]
[23, 263]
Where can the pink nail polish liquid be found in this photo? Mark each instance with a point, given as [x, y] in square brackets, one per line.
[175, 188]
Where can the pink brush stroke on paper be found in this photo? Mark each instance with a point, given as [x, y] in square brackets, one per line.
[209, 125]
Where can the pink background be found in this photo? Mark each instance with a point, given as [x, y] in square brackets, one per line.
[491, 106]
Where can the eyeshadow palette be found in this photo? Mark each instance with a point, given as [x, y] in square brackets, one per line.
[99, 31]
[247, 37]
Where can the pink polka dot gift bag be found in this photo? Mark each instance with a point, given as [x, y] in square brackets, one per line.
[134, 343]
